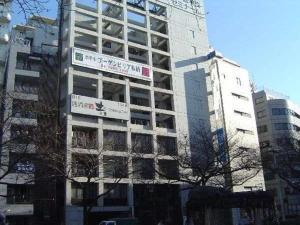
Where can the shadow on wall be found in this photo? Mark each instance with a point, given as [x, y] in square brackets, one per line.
[195, 91]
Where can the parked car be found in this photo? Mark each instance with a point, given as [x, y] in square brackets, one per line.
[120, 221]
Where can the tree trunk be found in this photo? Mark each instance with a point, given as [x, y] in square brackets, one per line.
[85, 215]
[207, 216]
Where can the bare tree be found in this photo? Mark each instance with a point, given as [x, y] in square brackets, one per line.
[283, 160]
[29, 8]
[203, 160]
[85, 169]
[206, 159]
[15, 143]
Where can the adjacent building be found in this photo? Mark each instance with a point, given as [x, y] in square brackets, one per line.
[232, 118]
[29, 74]
[5, 18]
[278, 125]
[133, 73]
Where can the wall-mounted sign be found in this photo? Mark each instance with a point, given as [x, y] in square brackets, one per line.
[26, 167]
[191, 6]
[110, 64]
[99, 107]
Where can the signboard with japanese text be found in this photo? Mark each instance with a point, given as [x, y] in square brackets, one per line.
[110, 64]
[192, 6]
[99, 107]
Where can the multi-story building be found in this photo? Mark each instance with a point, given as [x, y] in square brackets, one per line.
[278, 125]
[5, 18]
[29, 74]
[232, 116]
[133, 72]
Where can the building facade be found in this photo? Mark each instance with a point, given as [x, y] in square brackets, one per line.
[232, 118]
[278, 124]
[5, 18]
[28, 72]
[133, 73]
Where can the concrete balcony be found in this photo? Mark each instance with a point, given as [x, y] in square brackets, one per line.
[22, 45]
[4, 37]
[29, 73]
[18, 210]
[24, 121]
[5, 17]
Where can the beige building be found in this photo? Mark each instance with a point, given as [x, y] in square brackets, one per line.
[278, 124]
[232, 116]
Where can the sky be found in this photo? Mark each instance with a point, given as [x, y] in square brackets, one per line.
[263, 36]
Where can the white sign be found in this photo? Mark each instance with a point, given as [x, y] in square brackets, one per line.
[99, 107]
[26, 167]
[110, 64]
[192, 6]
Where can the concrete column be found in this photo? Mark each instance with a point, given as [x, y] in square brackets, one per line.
[125, 28]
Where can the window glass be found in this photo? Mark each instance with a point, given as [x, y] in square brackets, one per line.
[157, 10]
[136, 18]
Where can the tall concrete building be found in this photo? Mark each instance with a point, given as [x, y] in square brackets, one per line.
[232, 117]
[133, 72]
[278, 124]
[5, 18]
[28, 72]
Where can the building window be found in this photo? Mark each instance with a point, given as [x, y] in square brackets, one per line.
[19, 194]
[168, 169]
[157, 10]
[85, 165]
[283, 112]
[143, 168]
[238, 81]
[279, 111]
[261, 114]
[85, 86]
[22, 134]
[81, 192]
[239, 96]
[192, 34]
[283, 126]
[136, 18]
[26, 85]
[24, 109]
[193, 50]
[166, 145]
[140, 4]
[159, 43]
[84, 137]
[244, 131]
[112, 11]
[117, 194]
[262, 129]
[115, 167]
[137, 36]
[259, 100]
[242, 113]
[158, 25]
[264, 144]
[142, 143]
[114, 140]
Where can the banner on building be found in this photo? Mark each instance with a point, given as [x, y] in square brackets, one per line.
[99, 107]
[193, 6]
[110, 64]
[221, 142]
